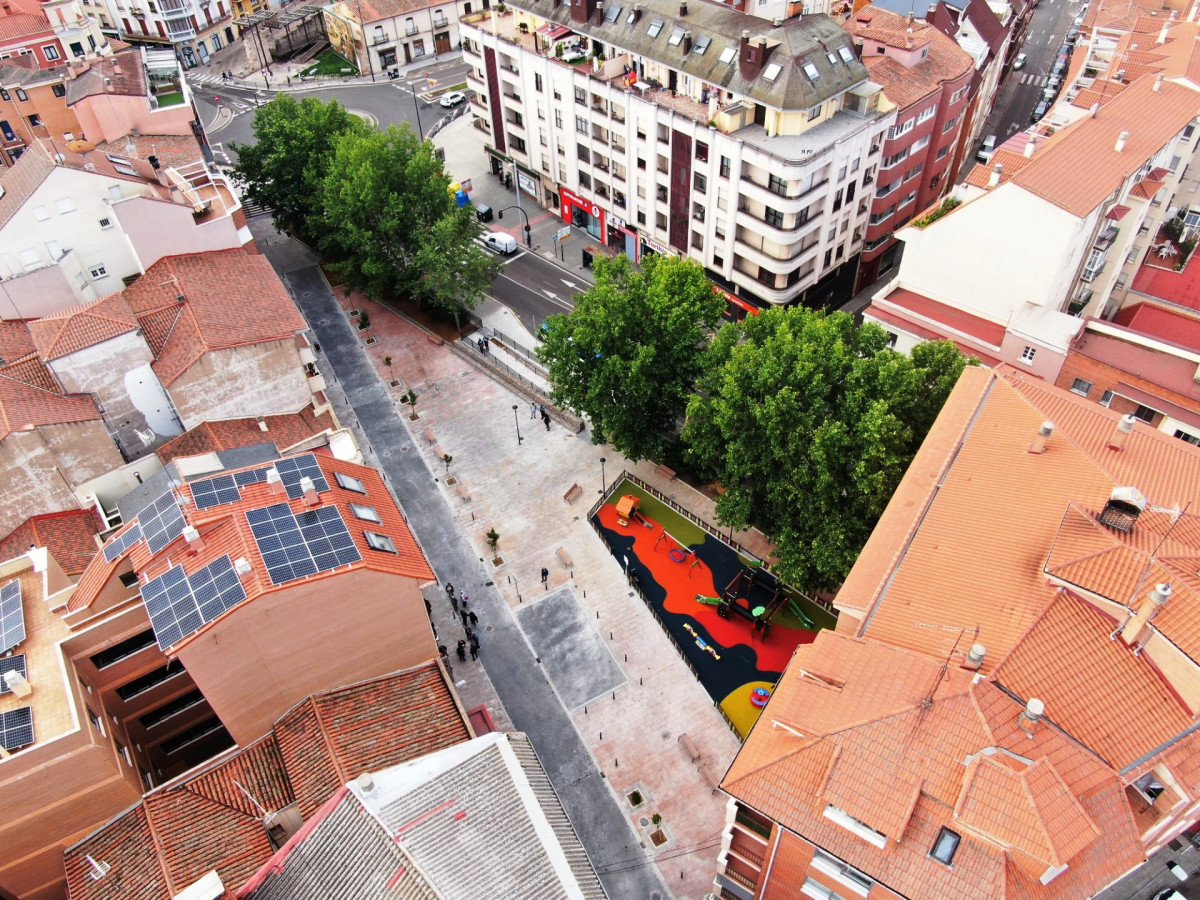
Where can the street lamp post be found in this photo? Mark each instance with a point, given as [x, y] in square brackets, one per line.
[517, 185]
[528, 231]
[417, 107]
[603, 482]
[517, 422]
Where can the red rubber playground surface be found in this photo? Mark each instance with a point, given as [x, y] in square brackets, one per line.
[745, 661]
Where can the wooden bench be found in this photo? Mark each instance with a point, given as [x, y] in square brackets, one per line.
[429, 436]
[690, 746]
[563, 557]
[573, 493]
[666, 473]
[709, 777]
[437, 453]
[462, 491]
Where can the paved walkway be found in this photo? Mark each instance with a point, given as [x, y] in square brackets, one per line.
[610, 745]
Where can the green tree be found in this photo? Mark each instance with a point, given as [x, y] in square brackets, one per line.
[809, 423]
[627, 355]
[285, 168]
[393, 227]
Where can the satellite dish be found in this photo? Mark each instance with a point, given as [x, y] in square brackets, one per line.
[80, 146]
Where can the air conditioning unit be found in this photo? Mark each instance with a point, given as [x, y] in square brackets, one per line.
[18, 684]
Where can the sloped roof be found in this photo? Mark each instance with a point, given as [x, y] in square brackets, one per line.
[908, 85]
[70, 536]
[230, 299]
[1180, 288]
[286, 431]
[1081, 169]
[24, 407]
[121, 73]
[203, 820]
[19, 25]
[77, 327]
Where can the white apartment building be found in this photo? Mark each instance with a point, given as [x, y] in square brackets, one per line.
[658, 127]
[196, 29]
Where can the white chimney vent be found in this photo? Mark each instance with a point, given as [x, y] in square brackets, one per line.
[262, 423]
[242, 566]
[1161, 594]
[309, 489]
[1043, 435]
[18, 684]
[975, 656]
[366, 782]
[1030, 146]
[99, 869]
[1122, 432]
[274, 482]
[994, 178]
[1031, 715]
[1121, 139]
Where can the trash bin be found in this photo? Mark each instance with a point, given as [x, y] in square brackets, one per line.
[483, 212]
[588, 254]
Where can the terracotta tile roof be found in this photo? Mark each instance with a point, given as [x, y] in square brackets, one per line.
[1011, 162]
[15, 341]
[32, 371]
[923, 332]
[1146, 189]
[231, 299]
[1180, 288]
[203, 820]
[286, 431]
[23, 407]
[1098, 93]
[1151, 119]
[171, 149]
[19, 25]
[70, 537]
[121, 73]
[908, 85]
[83, 326]
[949, 317]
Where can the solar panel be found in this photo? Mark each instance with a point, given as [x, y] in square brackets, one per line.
[180, 604]
[12, 664]
[297, 546]
[12, 616]
[292, 469]
[16, 728]
[123, 542]
[250, 476]
[215, 491]
[161, 521]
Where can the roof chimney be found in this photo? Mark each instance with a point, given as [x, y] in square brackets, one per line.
[994, 178]
[274, 482]
[1043, 435]
[1031, 715]
[1093, 109]
[636, 16]
[1158, 83]
[18, 684]
[1030, 146]
[1121, 511]
[1162, 34]
[683, 9]
[687, 43]
[365, 782]
[242, 566]
[1160, 595]
[908, 39]
[192, 536]
[262, 423]
[1121, 139]
[1124, 427]
[310, 491]
[975, 657]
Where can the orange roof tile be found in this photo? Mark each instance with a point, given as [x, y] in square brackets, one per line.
[83, 326]
[1151, 118]
[24, 407]
[908, 85]
[70, 537]
[285, 431]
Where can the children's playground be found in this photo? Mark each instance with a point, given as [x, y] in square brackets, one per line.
[733, 620]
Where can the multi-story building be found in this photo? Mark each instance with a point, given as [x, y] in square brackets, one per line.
[220, 605]
[381, 34]
[928, 78]
[193, 29]
[697, 130]
[1046, 235]
[49, 32]
[33, 105]
[1006, 708]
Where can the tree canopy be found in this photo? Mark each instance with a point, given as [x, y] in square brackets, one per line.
[392, 226]
[294, 145]
[627, 355]
[809, 422]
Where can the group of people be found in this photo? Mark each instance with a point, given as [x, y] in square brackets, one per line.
[470, 643]
[535, 409]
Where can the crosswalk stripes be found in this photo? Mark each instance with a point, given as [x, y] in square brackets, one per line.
[1034, 78]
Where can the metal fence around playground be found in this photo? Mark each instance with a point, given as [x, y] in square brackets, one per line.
[657, 618]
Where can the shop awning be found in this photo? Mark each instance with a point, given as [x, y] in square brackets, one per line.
[553, 30]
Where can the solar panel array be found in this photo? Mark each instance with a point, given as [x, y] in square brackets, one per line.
[161, 521]
[16, 728]
[215, 491]
[296, 546]
[12, 664]
[250, 476]
[292, 469]
[123, 543]
[180, 604]
[12, 616]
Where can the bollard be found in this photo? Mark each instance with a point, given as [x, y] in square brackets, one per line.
[597, 614]
[626, 657]
[616, 763]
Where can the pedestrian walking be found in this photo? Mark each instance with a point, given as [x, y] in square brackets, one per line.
[546, 420]
[474, 618]
[461, 650]
[465, 620]
[454, 602]
[428, 606]
[449, 589]
[474, 651]
[474, 640]
[533, 410]
[542, 410]
[465, 598]
[545, 575]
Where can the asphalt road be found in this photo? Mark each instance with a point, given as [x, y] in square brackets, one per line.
[1021, 94]
[534, 288]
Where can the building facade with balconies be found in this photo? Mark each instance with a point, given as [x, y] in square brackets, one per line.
[698, 131]
[383, 34]
[195, 29]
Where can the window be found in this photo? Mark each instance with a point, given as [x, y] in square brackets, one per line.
[41, 213]
[655, 28]
[583, 153]
[662, 193]
[4, 95]
[772, 71]
[818, 891]
[97, 721]
[920, 143]
[883, 215]
[700, 182]
[909, 198]
[558, 120]
[855, 826]
[1028, 354]
[537, 83]
[366, 513]
[1081, 387]
[927, 114]
[581, 124]
[945, 846]
[777, 185]
[830, 865]
[50, 52]
[123, 650]
[1190, 438]
[105, 224]
[1188, 132]
[941, 154]
[585, 181]
[169, 710]
[676, 37]
[35, 120]
[59, 90]
[98, 270]
[726, 164]
[21, 95]
[837, 199]
[701, 44]
[701, 151]
[350, 483]
[378, 541]
[1145, 413]
[773, 217]
[64, 205]
[811, 71]
[950, 123]
[149, 680]
[1106, 398]
[581, 96]
[124, 751]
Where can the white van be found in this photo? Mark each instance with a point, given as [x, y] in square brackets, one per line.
[502, 243]
[986, 149]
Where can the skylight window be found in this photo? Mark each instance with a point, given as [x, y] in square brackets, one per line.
[811, 71]
[772, 71]
[350, 483]
[846, 54]
[612, 14]
[676, 37]
[832, 59]
[701, 44]
[728, 54]
[945, 846]
[377, 541]
[655, 27]
[632, 17]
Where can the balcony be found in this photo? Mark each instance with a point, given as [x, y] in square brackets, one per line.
[381, 39]
[411, 30]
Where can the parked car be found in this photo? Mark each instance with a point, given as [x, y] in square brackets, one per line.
[452, 99]
[1019, 62]
[1040, 110]
[986, 149]
[502, 243]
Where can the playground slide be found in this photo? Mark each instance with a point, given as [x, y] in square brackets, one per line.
[711, 601]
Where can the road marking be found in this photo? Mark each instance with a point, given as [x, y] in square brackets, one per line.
[557, 301]
[569, 284]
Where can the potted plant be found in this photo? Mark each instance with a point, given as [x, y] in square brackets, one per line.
[364, 321]
[410, 397]
[447, 459]
[493, 539]
[387, 361]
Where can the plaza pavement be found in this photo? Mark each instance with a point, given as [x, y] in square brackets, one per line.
[629, 734]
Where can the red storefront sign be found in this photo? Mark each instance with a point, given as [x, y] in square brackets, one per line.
[570, 200]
